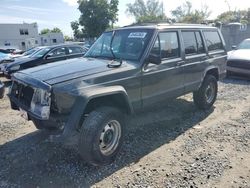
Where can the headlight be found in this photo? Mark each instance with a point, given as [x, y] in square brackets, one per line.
[40, 104]
[14, 68]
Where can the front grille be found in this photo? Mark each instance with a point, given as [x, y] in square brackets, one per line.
[243, 64]
[22, 94]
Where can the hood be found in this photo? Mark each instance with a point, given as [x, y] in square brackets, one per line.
[20, 61]
[67, 70]
[241, 54]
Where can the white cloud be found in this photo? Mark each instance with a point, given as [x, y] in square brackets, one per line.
[71, 2]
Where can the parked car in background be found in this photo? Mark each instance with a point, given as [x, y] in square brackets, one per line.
[43, 56]
[1, 90]
[4, 51]
[5, 58]
[125, 71]
[238, 62]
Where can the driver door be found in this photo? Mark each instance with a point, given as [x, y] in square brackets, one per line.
[160, 82]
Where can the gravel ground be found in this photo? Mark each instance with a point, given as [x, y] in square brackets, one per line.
[175, 145]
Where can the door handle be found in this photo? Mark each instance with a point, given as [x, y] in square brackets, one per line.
[180, 63]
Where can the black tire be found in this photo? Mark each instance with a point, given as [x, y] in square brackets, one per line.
[91, 131]
[200, 97]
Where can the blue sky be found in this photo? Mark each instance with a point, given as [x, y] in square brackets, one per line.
[59, 13]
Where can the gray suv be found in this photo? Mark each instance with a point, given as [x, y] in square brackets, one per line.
[126, 70]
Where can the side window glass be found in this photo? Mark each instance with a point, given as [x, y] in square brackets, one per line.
[190, 43]
[75, 50]
[200, 44]
[156, 48]
[169, 45]
[57, 52]
[213, 40]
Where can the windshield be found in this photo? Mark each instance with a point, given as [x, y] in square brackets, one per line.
[30, 51]
[40, 53]
[127, 44]
[244, 45]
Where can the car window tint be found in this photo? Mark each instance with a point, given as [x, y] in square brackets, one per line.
[156, 48]
[199, 41]
[213, 40]
[189, 42]
[192, 42]
[169, 45]
[75, 50]
[57, 52]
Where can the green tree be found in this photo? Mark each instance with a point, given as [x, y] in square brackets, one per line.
[55, 30]
[76, 30]
[242, 16]
[68, 38]
[186, 14]
[149, 11]
[45, 31]
[97, 16]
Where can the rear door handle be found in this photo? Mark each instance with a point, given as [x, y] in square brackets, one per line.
[180, 63]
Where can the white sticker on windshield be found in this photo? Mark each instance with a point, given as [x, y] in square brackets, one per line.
[139, 35]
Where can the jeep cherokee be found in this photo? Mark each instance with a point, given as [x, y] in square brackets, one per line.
[126, 70]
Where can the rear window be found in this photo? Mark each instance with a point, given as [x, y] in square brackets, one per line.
[213, 40]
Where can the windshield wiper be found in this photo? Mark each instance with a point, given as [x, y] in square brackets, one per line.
[114, 63]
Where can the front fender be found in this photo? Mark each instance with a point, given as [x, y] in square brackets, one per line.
[83, 98]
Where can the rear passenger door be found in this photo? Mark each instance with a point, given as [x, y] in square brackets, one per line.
[160, 82]
[195, 58]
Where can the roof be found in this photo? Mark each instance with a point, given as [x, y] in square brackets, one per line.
[168, 25]
[63, 45]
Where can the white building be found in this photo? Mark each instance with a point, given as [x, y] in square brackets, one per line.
[51, 39]
[15, 35]
[25, 36]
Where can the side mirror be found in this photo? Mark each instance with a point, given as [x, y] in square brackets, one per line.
[154, 59]
[234, 47]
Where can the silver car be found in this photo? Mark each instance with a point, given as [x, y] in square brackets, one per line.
[238, 62]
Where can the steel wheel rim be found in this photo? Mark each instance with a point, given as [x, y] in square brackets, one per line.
[210, 93]
[110, 137]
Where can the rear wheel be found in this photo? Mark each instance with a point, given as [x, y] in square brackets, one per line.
[101, 136]
[205, 97]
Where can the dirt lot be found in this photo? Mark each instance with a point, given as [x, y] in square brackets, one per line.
[172, 146]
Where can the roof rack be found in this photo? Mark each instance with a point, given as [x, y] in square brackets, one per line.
[163, 23]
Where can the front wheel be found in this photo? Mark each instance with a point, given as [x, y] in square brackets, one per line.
[101, 136]
[205, 97]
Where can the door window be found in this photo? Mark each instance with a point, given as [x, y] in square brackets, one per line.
[192, 42]
[75, 50]
[169, 45]
[166, 45]
[59, 52]
[213, 40]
